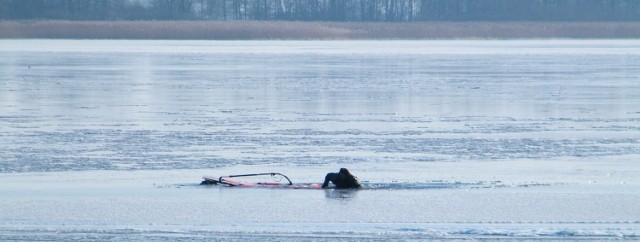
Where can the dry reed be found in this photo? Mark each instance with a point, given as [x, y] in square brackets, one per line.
[246, 30]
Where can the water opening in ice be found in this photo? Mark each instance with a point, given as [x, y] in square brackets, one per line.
[367, 185]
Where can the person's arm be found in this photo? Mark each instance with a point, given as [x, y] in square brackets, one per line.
[327, 179]
[358, 185]
[355, 183]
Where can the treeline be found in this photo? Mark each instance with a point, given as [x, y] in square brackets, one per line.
[324, 10]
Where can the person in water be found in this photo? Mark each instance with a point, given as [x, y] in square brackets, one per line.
[342, 179]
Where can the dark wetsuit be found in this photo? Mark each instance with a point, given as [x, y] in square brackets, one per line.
[341, 181]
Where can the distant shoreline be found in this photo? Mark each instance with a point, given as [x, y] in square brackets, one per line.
[282, 30]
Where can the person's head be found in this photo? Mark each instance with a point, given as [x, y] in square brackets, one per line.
[344, 172]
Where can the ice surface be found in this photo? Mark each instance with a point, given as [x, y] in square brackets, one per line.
[169, 204]
[531, 139]
[85, 105]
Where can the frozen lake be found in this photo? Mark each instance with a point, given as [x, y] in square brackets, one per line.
[527, 139]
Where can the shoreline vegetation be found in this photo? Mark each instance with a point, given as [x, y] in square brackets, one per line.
[293, 30]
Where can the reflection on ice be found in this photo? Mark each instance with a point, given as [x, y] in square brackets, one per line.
[341, 194]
